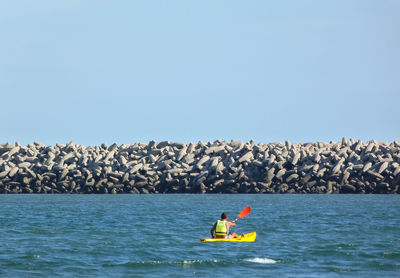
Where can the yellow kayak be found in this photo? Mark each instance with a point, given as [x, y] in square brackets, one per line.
[251, 237]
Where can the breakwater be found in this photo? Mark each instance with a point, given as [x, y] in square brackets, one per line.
[206, 167]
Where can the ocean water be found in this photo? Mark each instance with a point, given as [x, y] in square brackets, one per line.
[159, 236]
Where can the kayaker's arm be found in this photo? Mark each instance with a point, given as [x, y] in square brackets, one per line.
[213, 229]
[232, 223]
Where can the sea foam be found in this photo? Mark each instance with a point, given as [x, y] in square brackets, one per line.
[261, 260]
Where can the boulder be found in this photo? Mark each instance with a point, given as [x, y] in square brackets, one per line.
[347, 188]
[338, 166]
[375, 175]
[396, 171]
[214, 162]
[296, 158]
[136, 168]
[13, 171]
[280, 173]
[215, 149]
[13, 151]
[383, 167]
[346, 176]
[151, 145]
[321, 172]
[163, 144]
[367, 167]
[4, 173]
[220, 168]
[178, 145]
[181, 154]
[247, 157]
[201, 161]
[292, 177]
[189, 158]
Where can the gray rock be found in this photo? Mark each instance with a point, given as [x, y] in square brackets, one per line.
[383, 167]
[321, 172]
[24, 165]
[344, 141]
[283, 188]
[214, 162]
[189, 158]
[246, 157]
[329, 187]
[30, 172]
[89, 182]
[201, 161]
[163, 144]
[369, 147]
[316, 167]
[178, 145]
[395, 172]
[151, 145]
[271, 174]
[271, 159]
[296, 158]
[338, 166]
[280, 173]
[181, 154]
[367, 167]
[220, 168]
[13, 151]
[257, 163]
[347, 188]
[13, 171]
[317, 158]
[6, 148]
[236, 144]
[343, 152]
[109, 156]
[123, 161]
[215, 149]
[346, 177]
[375, 175]
[292, 177]
[136, 168]
[4, 173]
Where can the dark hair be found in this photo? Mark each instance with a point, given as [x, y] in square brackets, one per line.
[224, 215]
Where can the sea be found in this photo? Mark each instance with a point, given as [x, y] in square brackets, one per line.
[159, 236]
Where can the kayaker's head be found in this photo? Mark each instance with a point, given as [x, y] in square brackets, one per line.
[224, 216]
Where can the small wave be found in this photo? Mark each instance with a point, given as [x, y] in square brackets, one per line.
[261, 261]
[155, 262]
[188, 262]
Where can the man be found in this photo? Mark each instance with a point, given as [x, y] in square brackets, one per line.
[221, 228]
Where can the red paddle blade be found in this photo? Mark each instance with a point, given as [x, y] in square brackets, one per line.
[244, 212]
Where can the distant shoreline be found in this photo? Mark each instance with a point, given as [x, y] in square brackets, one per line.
[204, 167]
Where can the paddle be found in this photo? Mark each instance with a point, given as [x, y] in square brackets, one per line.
[244, 213]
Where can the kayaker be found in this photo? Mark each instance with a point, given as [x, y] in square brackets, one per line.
[221, 228]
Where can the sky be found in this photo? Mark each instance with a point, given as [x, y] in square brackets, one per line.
[98, 72]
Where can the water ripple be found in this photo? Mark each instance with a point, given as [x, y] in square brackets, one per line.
[158, 236]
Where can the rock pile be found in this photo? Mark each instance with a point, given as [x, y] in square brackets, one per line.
[213, 167]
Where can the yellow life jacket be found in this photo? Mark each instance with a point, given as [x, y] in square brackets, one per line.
[221, 228]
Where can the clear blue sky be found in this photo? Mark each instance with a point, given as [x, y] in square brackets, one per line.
[128, 71]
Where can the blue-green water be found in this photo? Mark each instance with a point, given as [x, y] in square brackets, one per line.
[158, 236]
